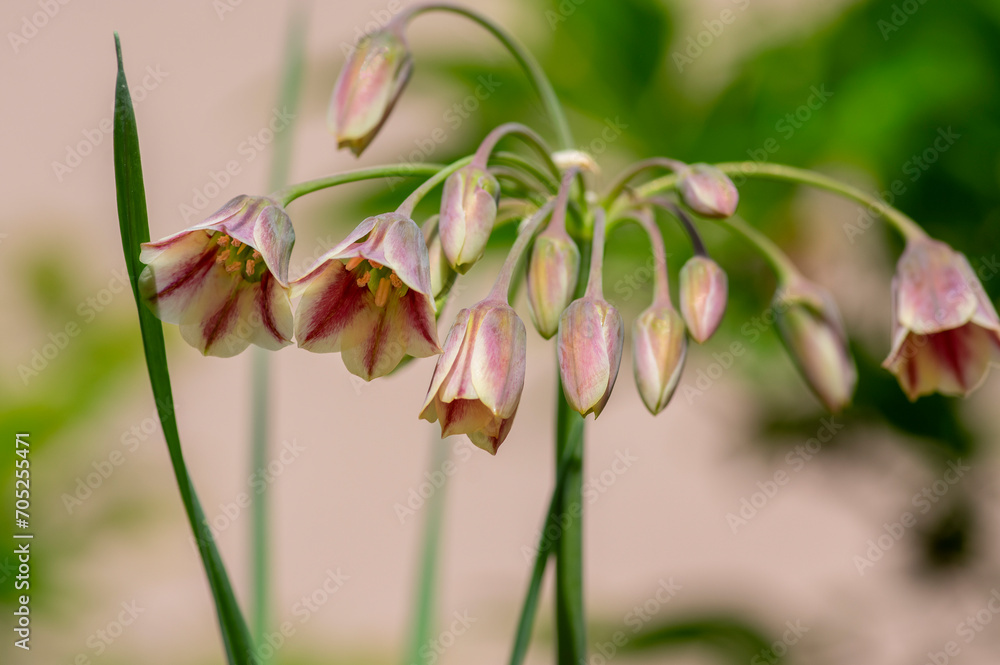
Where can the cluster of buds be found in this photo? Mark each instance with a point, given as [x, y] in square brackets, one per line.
[376, 296]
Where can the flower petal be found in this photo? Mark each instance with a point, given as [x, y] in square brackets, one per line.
[936, 287]
[498, 359]
[397, 326]
[333, 313]
[181, 277]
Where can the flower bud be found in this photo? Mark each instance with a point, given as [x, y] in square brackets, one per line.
[703, 292]
[575, 159]
[658, 350]
[708, 191]
[591, 336]
[368, 86]
[468, 211]
[810, 326]
[553, 270]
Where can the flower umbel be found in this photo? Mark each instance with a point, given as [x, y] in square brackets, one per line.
[224, 281]
[945, 329]
[369, 298]
[368, 87]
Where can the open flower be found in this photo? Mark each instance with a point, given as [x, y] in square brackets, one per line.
[369, 298]
[224, 281]
[478, 379]
[945, 329]
[368, 86]
[811, 328]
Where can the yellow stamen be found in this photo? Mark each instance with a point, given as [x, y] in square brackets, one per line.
[395, 281]
[354, 263]
[223, 256]
[250, 267]
[382, 294]
[233, 267]
[374, 264]
[223, 240]
[364, 279]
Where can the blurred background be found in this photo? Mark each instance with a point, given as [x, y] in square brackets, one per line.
[777, 530]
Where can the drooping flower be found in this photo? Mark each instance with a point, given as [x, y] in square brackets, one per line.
[368, 87]
[809, 324]
[946, 333]
[468, 212]
[708, 191]
[225, 281]
[591, 337]
[659, 347]
[704, 292]
[477, 383]
[553, 269]
[369, 298]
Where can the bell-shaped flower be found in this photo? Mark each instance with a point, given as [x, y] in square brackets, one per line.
[553, 270]
[477, 382]
[659, 347]
[225, 281]
[368, 86]
[468, 212]
[708, 191]
[369, 298]
[945, 329]
[703, 292]
[809, 324]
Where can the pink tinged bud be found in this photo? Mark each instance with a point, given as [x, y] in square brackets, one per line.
[468, 212]
[369, 298]
[591, 335]
[708, 191]
[477, 382]
[224, 281]
[945, 329]
[553, 270]
[811, 328]
[704, 291]
[659, 346]
[368, 87]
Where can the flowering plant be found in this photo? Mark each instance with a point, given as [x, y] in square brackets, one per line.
[376, 297]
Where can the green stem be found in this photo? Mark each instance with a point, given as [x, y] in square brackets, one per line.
[423, 611]
[570, 617]
[288, 99]
[411, 170]
[625, 177]
[901, 222]
[522, 638]
[407, 207]
[516, 161]
[501, 287]
[489, 144]
[783, 267]
[522, 55]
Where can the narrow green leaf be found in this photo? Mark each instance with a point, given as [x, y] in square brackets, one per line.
[134, 223]
[545, 544]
